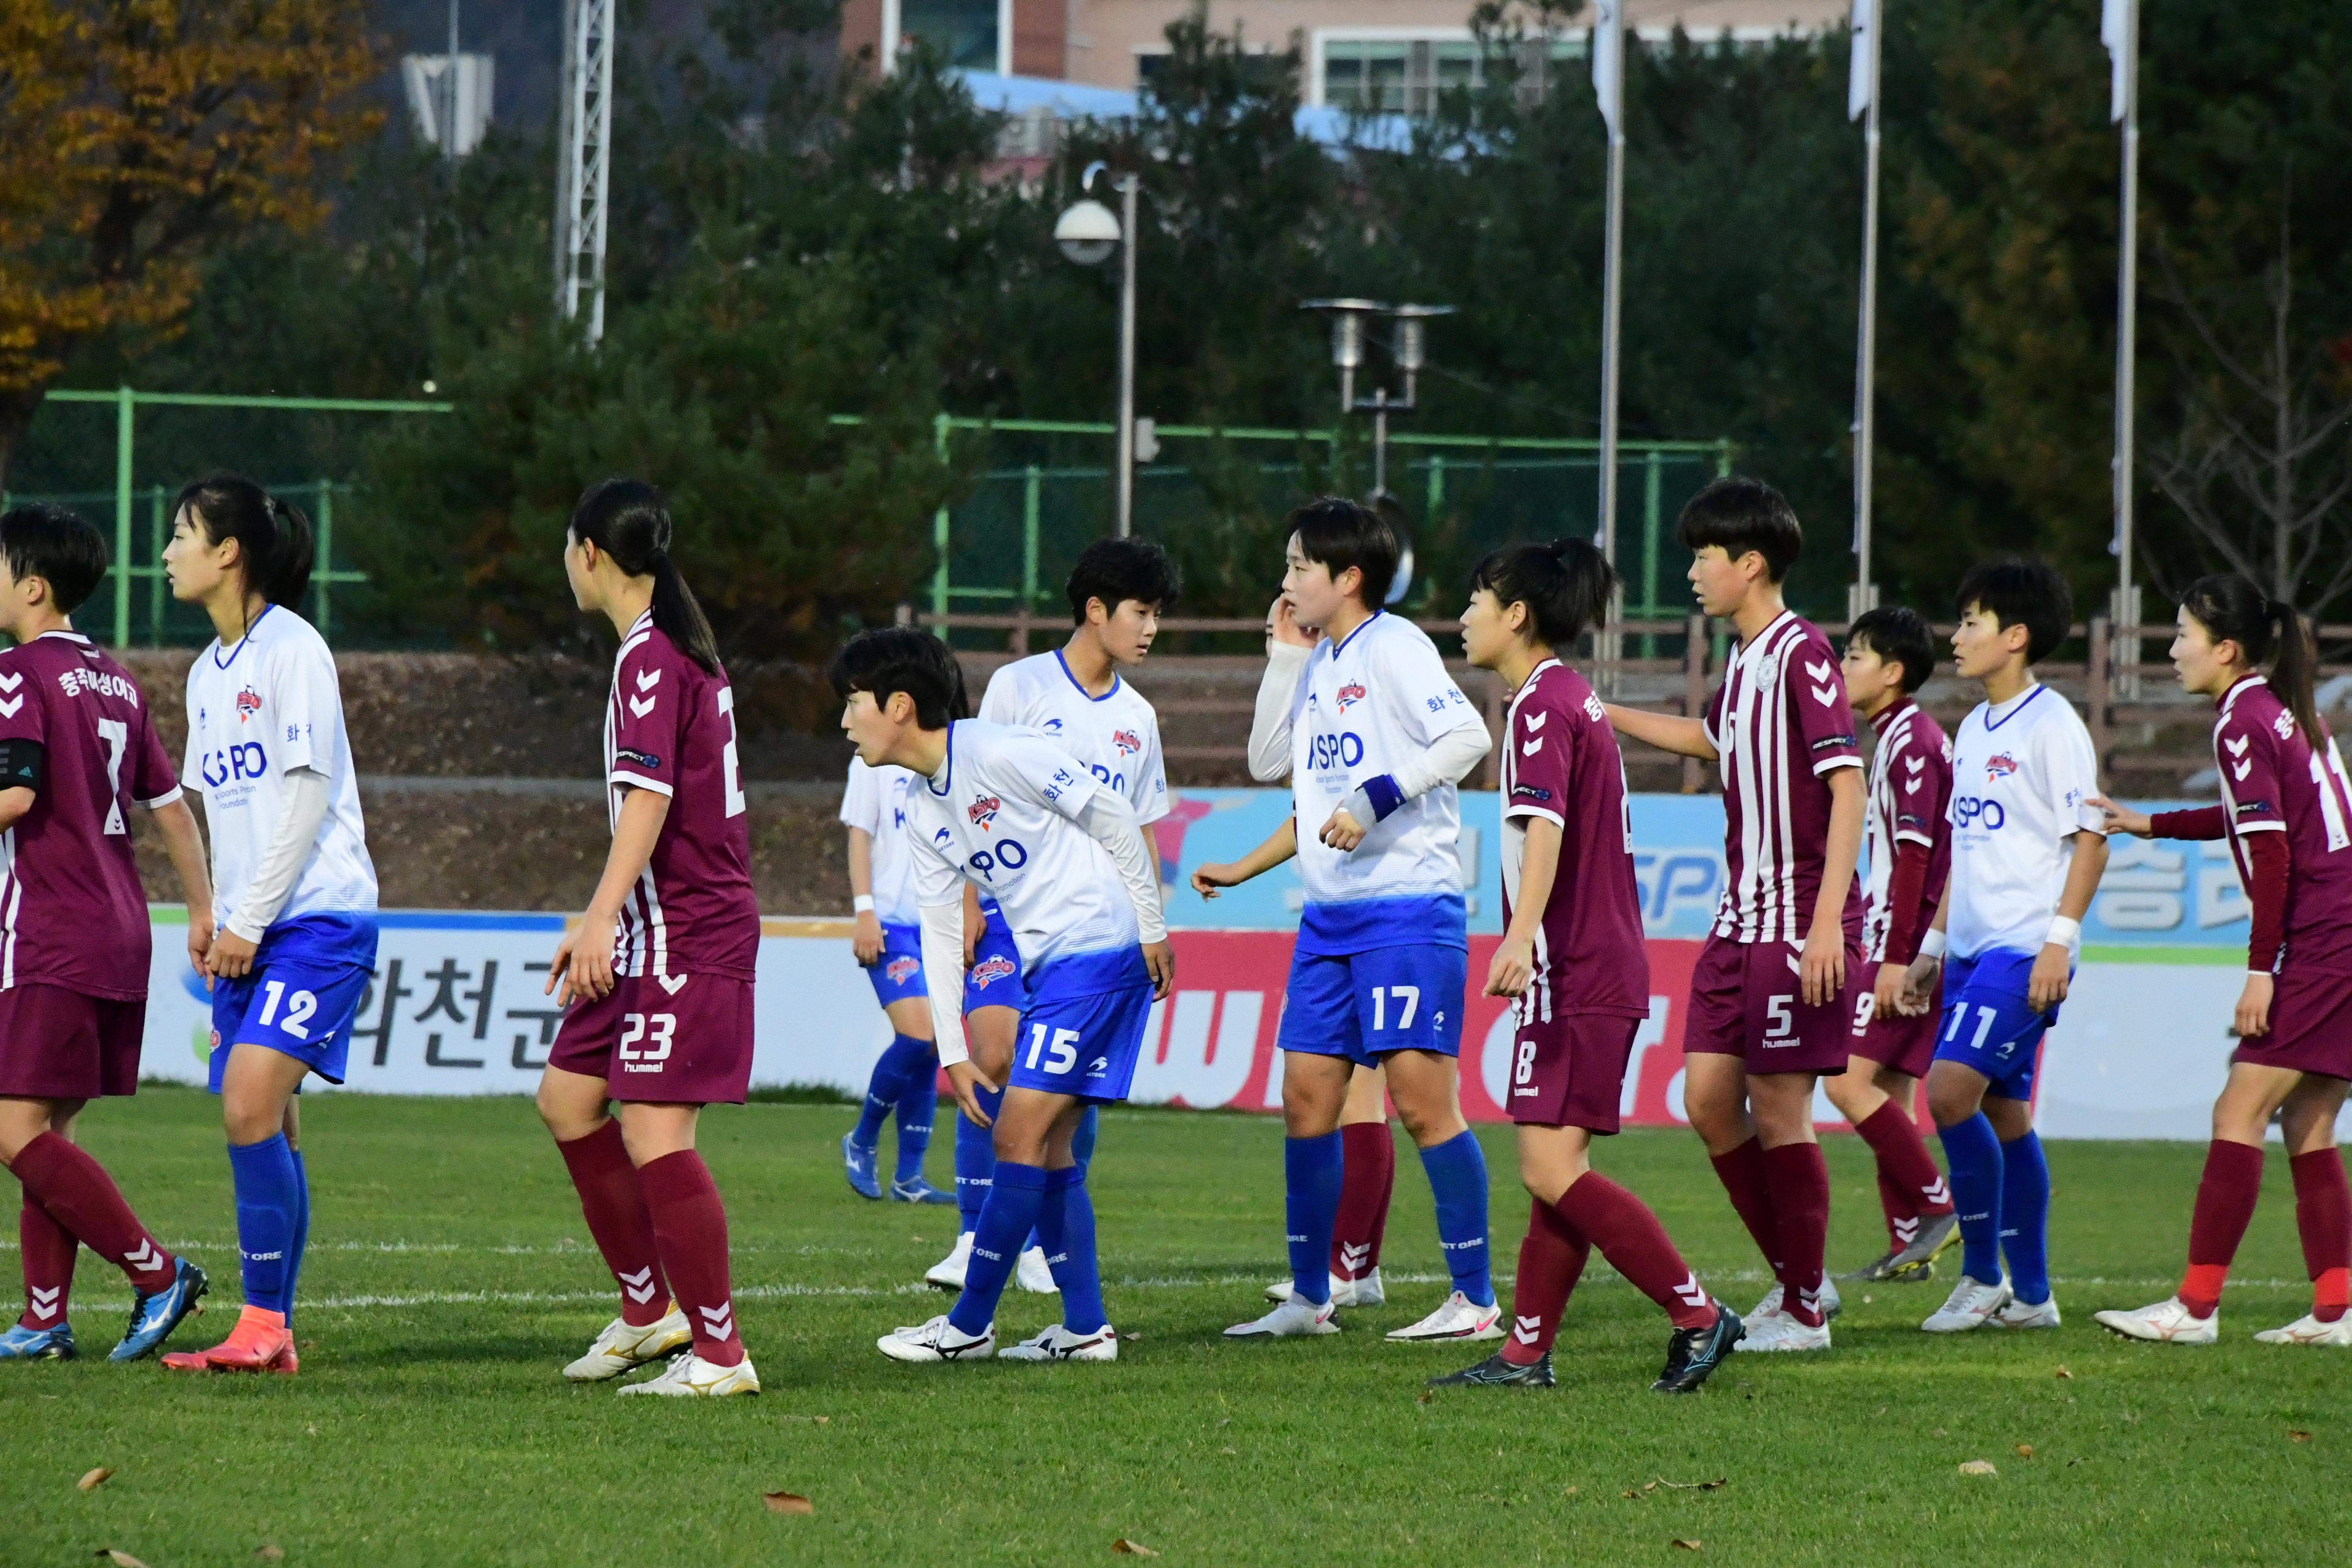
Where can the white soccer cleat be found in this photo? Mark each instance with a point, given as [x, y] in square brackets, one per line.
[1057, 1343]
[1768, 1306]
[1830, 1301]
[2017, 1314]
[1781, 1331]
[1458, 1318]
[938, 1339]
[1970, 1305]
[1033, 1274]
[2167, 1322]
[623, 1346]
[2305, 1331]
[948, 1273]
[688, 1376]
[1291, 1319]
[1363, 1293]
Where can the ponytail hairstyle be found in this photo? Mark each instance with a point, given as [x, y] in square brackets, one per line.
[2233, 609]
[628, 521]
[1566, 586]
[274, 545]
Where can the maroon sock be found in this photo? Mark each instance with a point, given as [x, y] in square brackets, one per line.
[1551, 1260]
[612, 1201]
[691, 1228]
[1369, 1174]
[2225, 1206]
[1801, 1201]
[1630, 1236]
[82, 1197]
[1902, 1224]
[2323, 1214]
[48, 1253]
[1741, 1172]
[1903, 1161]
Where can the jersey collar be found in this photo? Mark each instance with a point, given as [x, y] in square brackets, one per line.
[66, 634]
[2017, 705]
[2228, 699]
[1081, 689]
[1764, 635]
[1375, 616]
[220, 663]
[946, 781]
[1891, 712]
[1529, 685]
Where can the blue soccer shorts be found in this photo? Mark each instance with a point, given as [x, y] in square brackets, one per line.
[1084, 1045]
[1363, 1005]
[301, 996]
[994, 978]
[1988, 1022]
[897, 973]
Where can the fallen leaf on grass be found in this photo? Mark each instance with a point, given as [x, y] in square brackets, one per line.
[120, 1559]
[2072, 1463]
[1632, 1493]
[1424, 1397]
[1684, 1544]
[1937, 1432]
[2062, 1372]
[1979, 1467]
[1719, 1481]
[812, 1420]
[1571, 1492]
[787, 1502]
[2293, 1437]
[1865, 1300]
[93, 1480]
[270, 1552]
[1132, 1548]
[2025, 1450]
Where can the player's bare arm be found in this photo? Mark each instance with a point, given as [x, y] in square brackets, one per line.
[1919, 980]
[582, 965]
[1281, 845]
[2123, 818]
[1513, 969]
[1667, 731]
[1822, 967]
[185, 847]
[2047, 987]
[865, 940]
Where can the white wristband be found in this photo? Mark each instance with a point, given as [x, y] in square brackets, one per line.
[863, 903]
[2064, 931]
[1932, 944]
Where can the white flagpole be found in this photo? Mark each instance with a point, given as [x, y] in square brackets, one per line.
[1861, 97]
[1609, 87]
[2119, 28]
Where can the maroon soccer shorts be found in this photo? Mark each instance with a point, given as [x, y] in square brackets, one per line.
[1904, 1045]
[2311, 1026]
[57, 1044]
[691, 1046]
[1747, 1001]
[1569, 1070]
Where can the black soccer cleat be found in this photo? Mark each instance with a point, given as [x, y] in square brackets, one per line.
[1497, 1373]
[1693, 1353]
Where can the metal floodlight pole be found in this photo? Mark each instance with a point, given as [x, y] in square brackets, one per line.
[2126, 607]
[583, 172]
[449, 92]
[1863, 595]
[1128, 186]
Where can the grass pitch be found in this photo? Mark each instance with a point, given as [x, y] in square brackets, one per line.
[449, 1277]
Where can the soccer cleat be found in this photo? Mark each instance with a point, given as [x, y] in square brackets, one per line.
[1832, 1303]
[688, 1376]
[919, 1191]
[1693, 1353]
[1033, 1274]
[1937, 1232]
[154, 1314]
[1781, 1332]
[624, 1346]
[259, 1343]
[1497, 1373]
[948, 1273]
[1459, 1318]
[1363, 1291]
[1970, 1305]
[1292, 1318]
[1057, 1343]
[2167, 1322]
[2304, 1331]
[1880, 1269]
[2017, 1314]
[857, 1164]
[21, 1343]
[938, 1339]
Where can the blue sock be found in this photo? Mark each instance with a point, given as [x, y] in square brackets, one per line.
[975, 1157]
[917, 1105]
[1065, 1229]
[301, 1230]
[1457, 1178]
[267, 1202]
[1311, 1171]
[1973, 1152]
[1082, 1141]
[1010, 1214]
[890, 1079]
[2025, 1218]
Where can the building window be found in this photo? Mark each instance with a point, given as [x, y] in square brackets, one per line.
[964, 32]
[1261, 69]
[1387, 74]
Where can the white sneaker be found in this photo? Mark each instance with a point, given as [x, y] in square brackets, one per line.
[1032, 1274]
[1057, 1343]
[2017, 1314]
[1459, 1319]
[623, 1346]
[2304, 1331]
[938, 1339]
[1832, 1303]
[689, 1377]
[1782, 1332]
[1291, 1317]
[1972, 1303]
[1360, 1293]
[2167, 1321]
[948, 1273]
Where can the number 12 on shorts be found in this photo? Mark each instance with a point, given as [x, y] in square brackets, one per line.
[299, 1008]
[1406, 997]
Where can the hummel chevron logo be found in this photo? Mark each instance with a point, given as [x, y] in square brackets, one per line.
[649, 679]
[10, 682]
[8, 707]
[1827, 696]
[1690, 1290]
[1532, 747]
[2240, 769]
[45, 1302]
[1915, 764]
[1936, 1192]
[638, 1286]
[1819, 671]
[1906, 1231]
[1353, 1255]
[2237, 748]
[641, 706]
[147, 1257]
[1912, 788]
[1525, 1330]
[718, 1322]
[673, 984]
[1536, 720]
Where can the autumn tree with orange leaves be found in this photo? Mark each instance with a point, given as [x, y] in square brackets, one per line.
[134, 136]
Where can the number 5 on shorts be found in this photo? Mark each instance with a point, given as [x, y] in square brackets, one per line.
[1061, 1055]
[1782, 1021]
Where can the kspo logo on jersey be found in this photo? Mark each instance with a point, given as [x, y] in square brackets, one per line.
[1344, 750]
[248, 703]
[901, 970]
[983, 811]
[1349, 695]
[1998, 766]
[245, 759]
[1127, 741]
[989, 971]
[1973, 811]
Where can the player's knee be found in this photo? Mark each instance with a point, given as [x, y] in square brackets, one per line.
[1952, 1103]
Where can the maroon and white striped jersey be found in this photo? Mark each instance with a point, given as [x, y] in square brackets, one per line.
[1560, 762]
[1910, 788]
[671, 728]
[2275, 779]
[1780, 726]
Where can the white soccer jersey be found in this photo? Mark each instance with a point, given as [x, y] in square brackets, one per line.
[1004, 816]
[2021, 774]
[1116, 735]
[1364, 707]
[876, 800]
[270, 704]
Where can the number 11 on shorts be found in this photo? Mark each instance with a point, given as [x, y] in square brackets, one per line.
[1407, 998]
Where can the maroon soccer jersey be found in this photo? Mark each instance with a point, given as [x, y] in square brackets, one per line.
[2275, 779]
[671, 728]
[71, 910]
[1910, 787]
[1780, 725]
[1560, 763]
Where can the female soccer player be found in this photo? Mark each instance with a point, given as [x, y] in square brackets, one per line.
[293, 888]
[889, 945]
[657, 978]
[2285, 804]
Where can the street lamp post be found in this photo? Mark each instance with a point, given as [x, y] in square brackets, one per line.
[1408, 347]
[1087, 232]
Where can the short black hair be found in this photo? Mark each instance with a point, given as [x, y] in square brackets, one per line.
[1117, 570]
[2017, 592]
[1566, 586]
[60, 546]
[1336, 533]
[892, 659]
[1897, 635]
[1740, 515]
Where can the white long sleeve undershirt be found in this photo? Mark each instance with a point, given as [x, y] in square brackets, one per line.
[289, 848]
[1269, 742]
